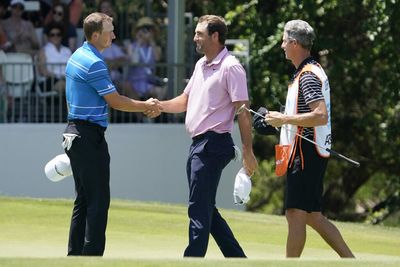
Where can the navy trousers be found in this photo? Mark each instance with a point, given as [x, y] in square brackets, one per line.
[90, 162]
[208, 156]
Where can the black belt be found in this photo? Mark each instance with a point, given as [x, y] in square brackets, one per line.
[87, 123]
[208, 134]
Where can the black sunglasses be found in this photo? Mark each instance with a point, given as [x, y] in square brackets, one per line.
[58, 13]
[146, 27]
[53, 34]
[19, 6]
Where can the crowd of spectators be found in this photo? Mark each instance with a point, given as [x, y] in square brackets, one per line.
[49, 34]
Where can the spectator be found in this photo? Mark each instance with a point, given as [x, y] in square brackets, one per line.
[144, 51]
[52, 59]
[4, 13]
[20, 33]
[75, 8]
[60, 14]
[116, 59]
[75, 11]
[4, 43]
[115, 56]
[106, 7]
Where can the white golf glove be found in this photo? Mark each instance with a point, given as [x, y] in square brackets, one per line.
[68, 138]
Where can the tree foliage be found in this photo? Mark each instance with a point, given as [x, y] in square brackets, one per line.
[357, 44]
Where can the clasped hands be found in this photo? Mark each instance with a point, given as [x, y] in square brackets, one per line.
[153, 108]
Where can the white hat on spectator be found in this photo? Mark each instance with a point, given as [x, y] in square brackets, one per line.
[58, 168]
[15, 2]
[145, 21]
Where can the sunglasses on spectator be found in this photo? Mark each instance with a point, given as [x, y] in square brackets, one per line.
[146, 28]
[19, 6]
[55, 34]
[58, 13]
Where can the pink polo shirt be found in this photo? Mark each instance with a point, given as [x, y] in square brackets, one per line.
[211, 91]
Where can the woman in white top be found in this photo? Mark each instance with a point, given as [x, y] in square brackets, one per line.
[53, 57]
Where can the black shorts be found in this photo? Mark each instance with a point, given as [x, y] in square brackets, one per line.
[304, 187]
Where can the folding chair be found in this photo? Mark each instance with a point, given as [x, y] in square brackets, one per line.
[18, 75]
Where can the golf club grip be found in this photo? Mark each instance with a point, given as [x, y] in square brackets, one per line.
[260, 115]
[343, 157]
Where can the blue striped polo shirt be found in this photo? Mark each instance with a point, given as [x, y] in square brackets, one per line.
[87, 81]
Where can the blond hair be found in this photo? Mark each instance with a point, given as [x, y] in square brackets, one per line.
[94, 23]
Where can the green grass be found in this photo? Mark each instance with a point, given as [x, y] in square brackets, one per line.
[34, 232]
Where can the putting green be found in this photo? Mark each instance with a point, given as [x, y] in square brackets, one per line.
[34, 232]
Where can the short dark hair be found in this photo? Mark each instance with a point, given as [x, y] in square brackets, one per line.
[94, 23]
[215, 24]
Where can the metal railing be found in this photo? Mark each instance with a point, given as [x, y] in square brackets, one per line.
[27, 97]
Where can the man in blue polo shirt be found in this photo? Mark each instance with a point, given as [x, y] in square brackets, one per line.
[89, 92]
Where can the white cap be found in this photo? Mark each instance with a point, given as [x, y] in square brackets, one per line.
[14, 2]
[242, 187]
[58, 168]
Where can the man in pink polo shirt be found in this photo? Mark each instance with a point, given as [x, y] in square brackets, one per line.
[215, 91]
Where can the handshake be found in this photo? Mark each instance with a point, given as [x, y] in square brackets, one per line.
[153, 108]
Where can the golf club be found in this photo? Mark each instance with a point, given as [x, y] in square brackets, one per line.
[332, 152]
[243, 107]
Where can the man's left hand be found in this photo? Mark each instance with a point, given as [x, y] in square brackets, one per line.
[249, 162]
